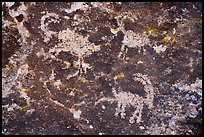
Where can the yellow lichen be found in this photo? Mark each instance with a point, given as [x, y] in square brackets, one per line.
[13, 23]
[114, 31]
[166, 38]
[120, 75]
[173, 40]
[72, 89]
[153, 31]
[58, 59]
[81, 79]
[94, 48]
[10, 24]
[80, 90]
[172, 59]
[76, 90]
[24, 89]
[144, 32]
[17, 23]
[106, 45]
[24, 107]
[67, 63]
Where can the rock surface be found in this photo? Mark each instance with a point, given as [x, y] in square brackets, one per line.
[113, 68]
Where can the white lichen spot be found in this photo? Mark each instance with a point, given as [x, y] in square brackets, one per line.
[8, 4]
[142, 127]
[57, 83]
[140, 62]
[142, 78]
[160, 130]
[174, 31]
[76, 45]
[44, 26]
[167, 71]
[19, 25]
[184, 10]
[76, 113]
[72, 93]
[7, 84]
[66, 17]
[30, 111]
[194, 87]
[57, 103]
[10, 77]
[32, 3]
[52, 76]
[197, 86]
[103, 107]
[159, 48]
[41, 52]
[12, 106]
[122, 50]
[91, 127]
[163, 17]
[134, 40]
[63, 35]
[127, 99]
[23, 69]
[192, 111]
[75, 6]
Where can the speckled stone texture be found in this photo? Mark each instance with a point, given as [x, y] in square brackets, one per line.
[101, 68]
